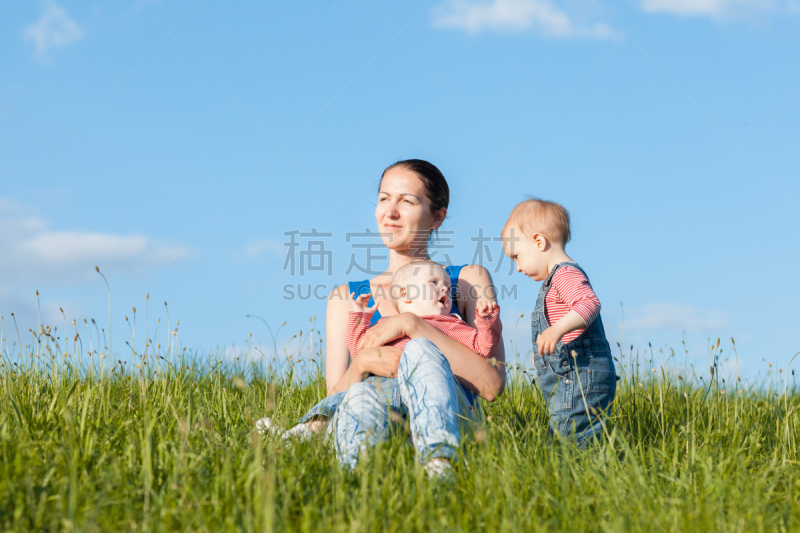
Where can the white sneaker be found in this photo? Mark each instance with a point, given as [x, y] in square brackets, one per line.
[300, 432]
[439, 469]
[267, 426]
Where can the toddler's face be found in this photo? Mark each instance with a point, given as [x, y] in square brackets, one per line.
[428, 289]
[526, 253]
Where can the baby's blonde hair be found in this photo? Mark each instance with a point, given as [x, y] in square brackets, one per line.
[404, 274]
[535, 215]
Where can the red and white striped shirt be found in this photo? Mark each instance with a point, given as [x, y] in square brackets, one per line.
[480, 339]
[570, 290]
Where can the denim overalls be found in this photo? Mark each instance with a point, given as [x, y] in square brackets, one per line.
[578, 381]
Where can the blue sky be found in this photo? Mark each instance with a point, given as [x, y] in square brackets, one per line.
[173, 143]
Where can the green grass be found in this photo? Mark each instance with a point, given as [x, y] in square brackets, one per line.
[138, 451]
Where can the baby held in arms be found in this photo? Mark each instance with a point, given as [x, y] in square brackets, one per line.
[422, 288]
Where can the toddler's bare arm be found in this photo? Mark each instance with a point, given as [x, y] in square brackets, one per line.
[546, 343]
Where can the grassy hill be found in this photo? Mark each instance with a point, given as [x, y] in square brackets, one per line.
[166, 446]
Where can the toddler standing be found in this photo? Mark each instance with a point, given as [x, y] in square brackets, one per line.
[570, 352]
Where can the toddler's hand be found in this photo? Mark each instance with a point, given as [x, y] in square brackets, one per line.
[485, 307]
[546, 343]
[360, 304]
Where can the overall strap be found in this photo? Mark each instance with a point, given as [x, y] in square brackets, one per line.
[573, 264]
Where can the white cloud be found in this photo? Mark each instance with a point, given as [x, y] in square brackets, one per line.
[675, 316]
[35, 257]
[256, 248]
[54, 29]
[540, 16]
[713, 8]
[30, 252]
[66, 249]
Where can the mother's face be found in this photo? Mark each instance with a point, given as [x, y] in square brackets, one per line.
[403, 212]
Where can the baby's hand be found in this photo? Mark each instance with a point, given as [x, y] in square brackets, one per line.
[485, 307]
[360, 304]
[547, 340]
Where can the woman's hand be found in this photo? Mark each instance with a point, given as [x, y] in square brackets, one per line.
[388, 330]
[380, 361]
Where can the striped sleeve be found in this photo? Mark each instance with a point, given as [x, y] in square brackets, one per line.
[573, 289]
[480, 339]
[357, 326]
[490, 331]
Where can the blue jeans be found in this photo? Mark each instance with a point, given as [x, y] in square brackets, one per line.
[387, 391]
[438, 408]
[578, 390]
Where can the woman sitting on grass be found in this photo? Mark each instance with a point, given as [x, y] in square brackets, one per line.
[434, 380]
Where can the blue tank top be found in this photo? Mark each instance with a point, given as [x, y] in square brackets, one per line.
[362, 287]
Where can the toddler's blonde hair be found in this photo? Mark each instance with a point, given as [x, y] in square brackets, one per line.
[535, 215]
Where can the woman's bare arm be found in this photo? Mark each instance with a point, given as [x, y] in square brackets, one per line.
[475, 284]
[337, 356]
[482, 376]
[340, 372]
